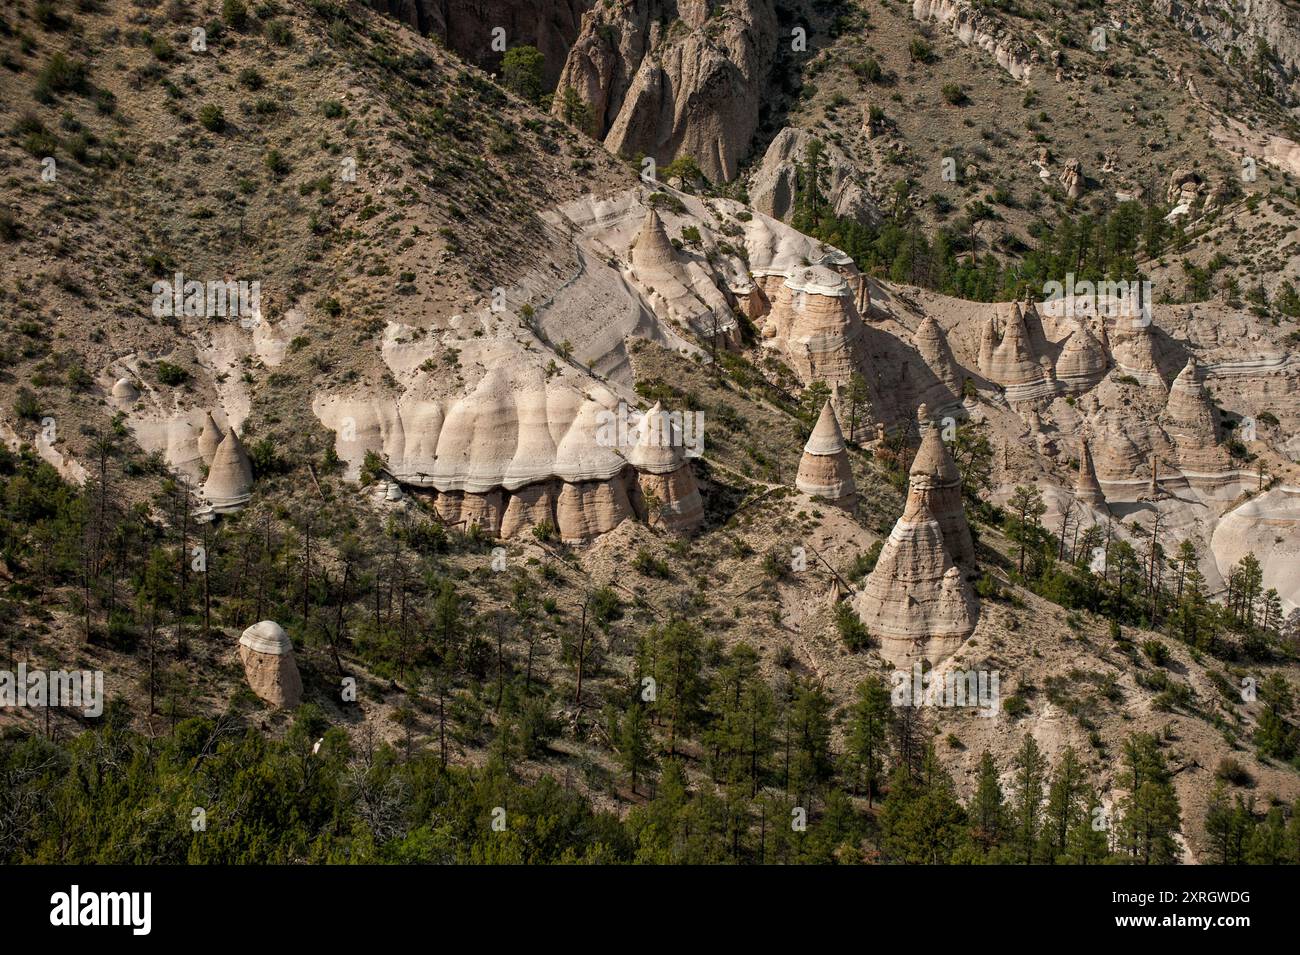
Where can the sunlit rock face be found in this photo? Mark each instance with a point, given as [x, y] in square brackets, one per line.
[932, 345]
[518, 453]
[1082, 362]
[1010, 356]
[1087, 489]
[816, 320]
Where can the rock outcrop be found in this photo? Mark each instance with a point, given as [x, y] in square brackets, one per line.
[1008, 356]
[934, 478]
[209, 439]
[125, 391]
[815, 321]
[230, 476]
[587, 509]
[1082, 362]
[687, 84]
[915, 601]
[982, 30]
[1072, 178]
[466, 26]
[1134, 350]
[775, 182]
[824, 469]
[269, 666]
[678, 287]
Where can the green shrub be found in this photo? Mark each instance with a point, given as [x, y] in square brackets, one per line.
[852, 631]
[212, 118]
[27, 405]
[521, 71]
[60, 75]
[170, 374]
[1230, 770]
[1156, 652]
[234, 13]
[276, 164]
[278, 32]
[1015, 706]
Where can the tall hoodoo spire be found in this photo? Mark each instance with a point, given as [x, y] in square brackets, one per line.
[824, 468]
[1192, 422]
[917, 599]
[1086, 487]
[932, 346]
[935, 477]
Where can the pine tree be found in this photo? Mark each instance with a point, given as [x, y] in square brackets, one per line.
[634, 742]
[1151, 817]
[869, 735]
[1064, 805]
[987, 810]
[1087, 842]
[1219, 825]
[1027, 798]
[1267, 842]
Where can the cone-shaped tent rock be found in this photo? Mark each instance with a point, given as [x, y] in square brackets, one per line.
[824, 468]
[230, 477]
[677, 286]
[1192, 423]
[209, 439]
[1086, 486]
[1011, 359]
[269, 665]
[664, 476]
[932, 346]
[1082, 362]
[917, 600]
[934, 476]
